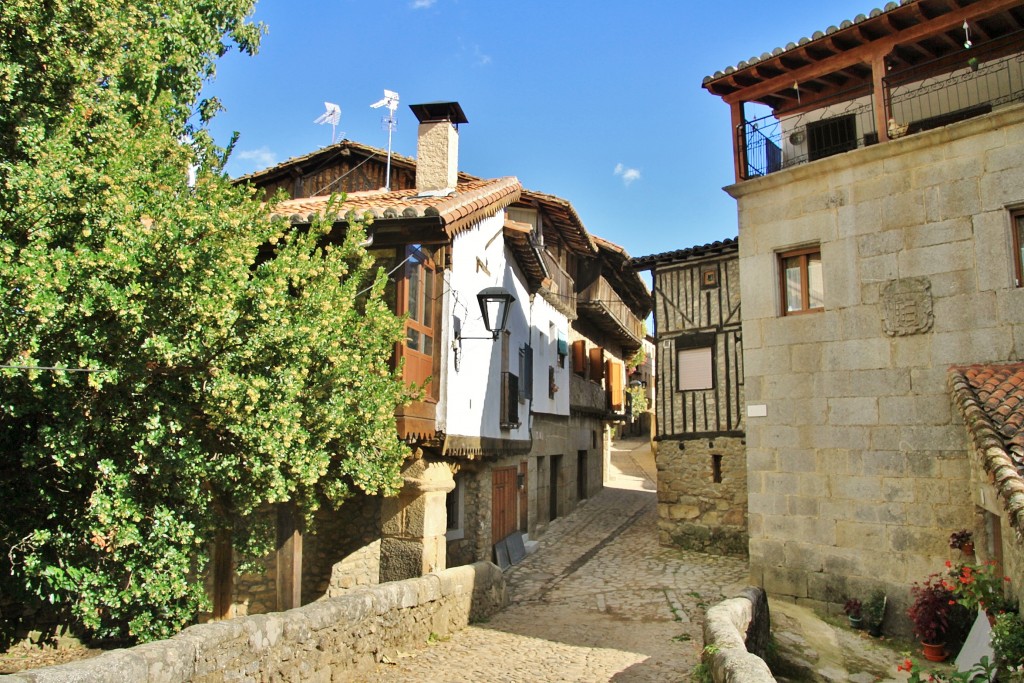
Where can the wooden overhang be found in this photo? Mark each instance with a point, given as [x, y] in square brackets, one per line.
[624, 280]
[917, 38]
[562, 215]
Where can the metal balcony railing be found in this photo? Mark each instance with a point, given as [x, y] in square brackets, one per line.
[927, 96]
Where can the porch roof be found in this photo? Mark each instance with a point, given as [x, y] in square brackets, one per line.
[715, 248]
[838, 59]
[991, 400]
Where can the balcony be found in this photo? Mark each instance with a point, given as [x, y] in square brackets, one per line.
[587, 396]
[602, 305]
[917, 99]
[558, 288]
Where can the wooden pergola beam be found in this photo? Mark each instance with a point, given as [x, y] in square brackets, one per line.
[870, 52]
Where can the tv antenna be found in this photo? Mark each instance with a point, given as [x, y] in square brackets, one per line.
[390, 100]
[331, 116]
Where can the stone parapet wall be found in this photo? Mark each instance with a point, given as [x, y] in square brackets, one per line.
[694, 511]
[736, 636]
[336, 639]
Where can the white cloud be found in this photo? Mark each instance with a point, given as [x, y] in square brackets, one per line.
[481, 58]
[628, 175]
[423, 4]
[260, 158]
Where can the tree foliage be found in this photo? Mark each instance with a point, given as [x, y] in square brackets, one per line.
[160, 386]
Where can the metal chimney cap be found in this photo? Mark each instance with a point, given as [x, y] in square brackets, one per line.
[430, 112]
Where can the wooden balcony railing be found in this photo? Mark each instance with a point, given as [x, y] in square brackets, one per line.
[560, 289]
[605, 307]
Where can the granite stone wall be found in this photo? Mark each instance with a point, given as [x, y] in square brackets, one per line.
[336, 639]
[700, 507]
[858, 470]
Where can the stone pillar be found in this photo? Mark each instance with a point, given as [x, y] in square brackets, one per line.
[413, 524]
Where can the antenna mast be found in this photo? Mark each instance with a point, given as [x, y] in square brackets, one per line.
[390, 101]
[331, 116]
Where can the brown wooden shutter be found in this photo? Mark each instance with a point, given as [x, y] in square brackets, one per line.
[615, 392]
[597, 364]
[579, 355]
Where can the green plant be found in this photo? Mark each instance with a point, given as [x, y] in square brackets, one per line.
[929, 610]
[1008, 640]
[637, 401]
[982, 671]
[175, 362]
[874, 610]
[636, 360]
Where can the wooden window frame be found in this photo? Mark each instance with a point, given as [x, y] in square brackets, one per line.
[1017, 232]
[804, 255]
[429, 264]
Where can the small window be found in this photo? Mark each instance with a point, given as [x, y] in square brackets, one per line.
[695, 369]
[802, 283]
[1018, 246]
[455, 506]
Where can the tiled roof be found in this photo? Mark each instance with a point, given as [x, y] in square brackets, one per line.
[470, 203]
[991, 400]
[818, 35]
[326, 153]
[680, 255]
[565, 218]
[636, 293]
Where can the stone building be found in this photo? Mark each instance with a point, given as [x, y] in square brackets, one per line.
[701, 456]
[513, 431]
[879, 181]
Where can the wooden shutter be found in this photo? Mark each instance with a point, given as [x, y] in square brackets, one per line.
[579, 356]
[615, 393]
[597, 364]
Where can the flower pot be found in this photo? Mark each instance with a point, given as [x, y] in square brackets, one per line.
[856, 622]
[934, 652]
[968, 549]
[875, 630]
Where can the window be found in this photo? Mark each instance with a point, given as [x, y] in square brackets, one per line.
[802, 285]
[1018, 246]
[418, 296]
[695, 369]
[526, 373]
[831, 136]
[455, 505]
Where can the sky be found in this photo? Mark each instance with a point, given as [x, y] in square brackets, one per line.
[599, 103]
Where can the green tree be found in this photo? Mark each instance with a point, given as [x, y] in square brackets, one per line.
[174, 361]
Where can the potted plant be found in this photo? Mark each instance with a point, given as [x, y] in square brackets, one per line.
[930, 613]
[874, 613]
[963, 541]
[977, 586]
[853, 613]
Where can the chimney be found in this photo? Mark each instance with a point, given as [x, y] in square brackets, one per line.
[437, 162]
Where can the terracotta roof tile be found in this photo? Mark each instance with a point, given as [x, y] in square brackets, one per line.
[991, 400]
[471, 202]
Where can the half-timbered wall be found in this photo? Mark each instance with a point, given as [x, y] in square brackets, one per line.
[697, 306]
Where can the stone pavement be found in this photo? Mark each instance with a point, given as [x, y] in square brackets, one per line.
[599, 600]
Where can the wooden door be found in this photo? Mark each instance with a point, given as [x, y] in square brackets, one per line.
[503, 502]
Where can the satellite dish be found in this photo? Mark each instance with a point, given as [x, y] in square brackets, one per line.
[390, 100]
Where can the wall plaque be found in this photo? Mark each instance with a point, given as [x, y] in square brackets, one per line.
[907, 306]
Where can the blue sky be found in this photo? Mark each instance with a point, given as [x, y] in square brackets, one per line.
[599, 103]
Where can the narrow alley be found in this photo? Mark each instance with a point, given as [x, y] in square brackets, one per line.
[599, 600]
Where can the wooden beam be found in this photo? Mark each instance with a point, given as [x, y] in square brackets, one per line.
[880, 98]
[739, 151]
[869, 52]
[223, 576]
[289, 558]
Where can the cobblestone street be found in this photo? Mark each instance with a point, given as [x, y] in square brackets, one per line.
[598, 601]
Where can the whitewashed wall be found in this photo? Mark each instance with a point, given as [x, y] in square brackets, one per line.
[472, 402]
[547, 324]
